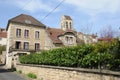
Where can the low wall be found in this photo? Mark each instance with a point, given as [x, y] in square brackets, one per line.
[64, 73]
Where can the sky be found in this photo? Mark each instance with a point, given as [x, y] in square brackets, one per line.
[89, 16]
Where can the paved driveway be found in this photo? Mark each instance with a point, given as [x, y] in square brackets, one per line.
[9, 75]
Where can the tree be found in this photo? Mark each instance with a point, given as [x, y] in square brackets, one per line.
[86, 29]
[107, 33]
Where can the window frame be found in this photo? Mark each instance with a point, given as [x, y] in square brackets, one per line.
[26, 46]
[26, 33]
[17, 44]
[37, 34]
[67, 40]
[37, 46]
[71, 40]
[18, 32]
[66, 25]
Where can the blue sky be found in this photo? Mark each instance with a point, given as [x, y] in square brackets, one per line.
[89, 15]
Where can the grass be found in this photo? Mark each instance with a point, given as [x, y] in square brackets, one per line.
[32, 75]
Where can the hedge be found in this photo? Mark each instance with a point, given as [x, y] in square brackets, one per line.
[103, 54]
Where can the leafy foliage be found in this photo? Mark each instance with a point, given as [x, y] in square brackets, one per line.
[103, 54]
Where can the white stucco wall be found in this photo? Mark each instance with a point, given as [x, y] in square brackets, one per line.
[3, 41]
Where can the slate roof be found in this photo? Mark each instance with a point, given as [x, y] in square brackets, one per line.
[67, 17]
[26, 19]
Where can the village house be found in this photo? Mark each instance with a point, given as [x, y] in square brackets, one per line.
[3, 37]
[3, 42]
[26, 34]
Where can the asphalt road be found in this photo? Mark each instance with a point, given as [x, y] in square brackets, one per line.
[9, 75]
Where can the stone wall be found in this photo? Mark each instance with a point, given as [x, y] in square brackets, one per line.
[65, 73]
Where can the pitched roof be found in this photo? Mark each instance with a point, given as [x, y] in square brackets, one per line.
[94, 36]
[54, 33]
[2, 29]
[105, 39]
[67, 17]
[3, 34]
[26, 19]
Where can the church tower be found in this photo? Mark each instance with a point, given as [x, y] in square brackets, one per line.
[66, 23]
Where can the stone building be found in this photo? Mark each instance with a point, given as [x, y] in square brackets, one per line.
[25, 34]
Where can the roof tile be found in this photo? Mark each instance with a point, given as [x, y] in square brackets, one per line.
[3, 34]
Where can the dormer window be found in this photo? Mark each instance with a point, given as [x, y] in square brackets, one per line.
[71, 40]
[28, 21]
[67, 40]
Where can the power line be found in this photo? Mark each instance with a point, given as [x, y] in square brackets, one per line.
[25, 5]
[52, 10]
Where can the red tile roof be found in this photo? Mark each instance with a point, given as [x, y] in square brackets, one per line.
[3, 34]
[105, 39]
[55, 33]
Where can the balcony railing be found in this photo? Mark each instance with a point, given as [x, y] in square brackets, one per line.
[31, 48]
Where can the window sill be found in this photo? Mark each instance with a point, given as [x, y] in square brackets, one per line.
[37, 38]
[26, 37]
[18, 37]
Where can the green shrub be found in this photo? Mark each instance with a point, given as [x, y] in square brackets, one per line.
[32, 75]
[101, 54]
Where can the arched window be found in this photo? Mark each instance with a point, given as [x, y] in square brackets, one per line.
[67, 25]
[67, 39]
[71, 40]
[70, 25]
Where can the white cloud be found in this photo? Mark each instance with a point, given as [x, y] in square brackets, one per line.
[94, 7]
[33, 6]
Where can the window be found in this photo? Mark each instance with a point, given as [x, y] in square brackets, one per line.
[26, 45]
[26, 33]
[37, 46]
[67, 25]
[28, 21]
[17, 45]
[71, 40]
[67, 40]
[18, 32]
[37, 34]
[70, 25]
